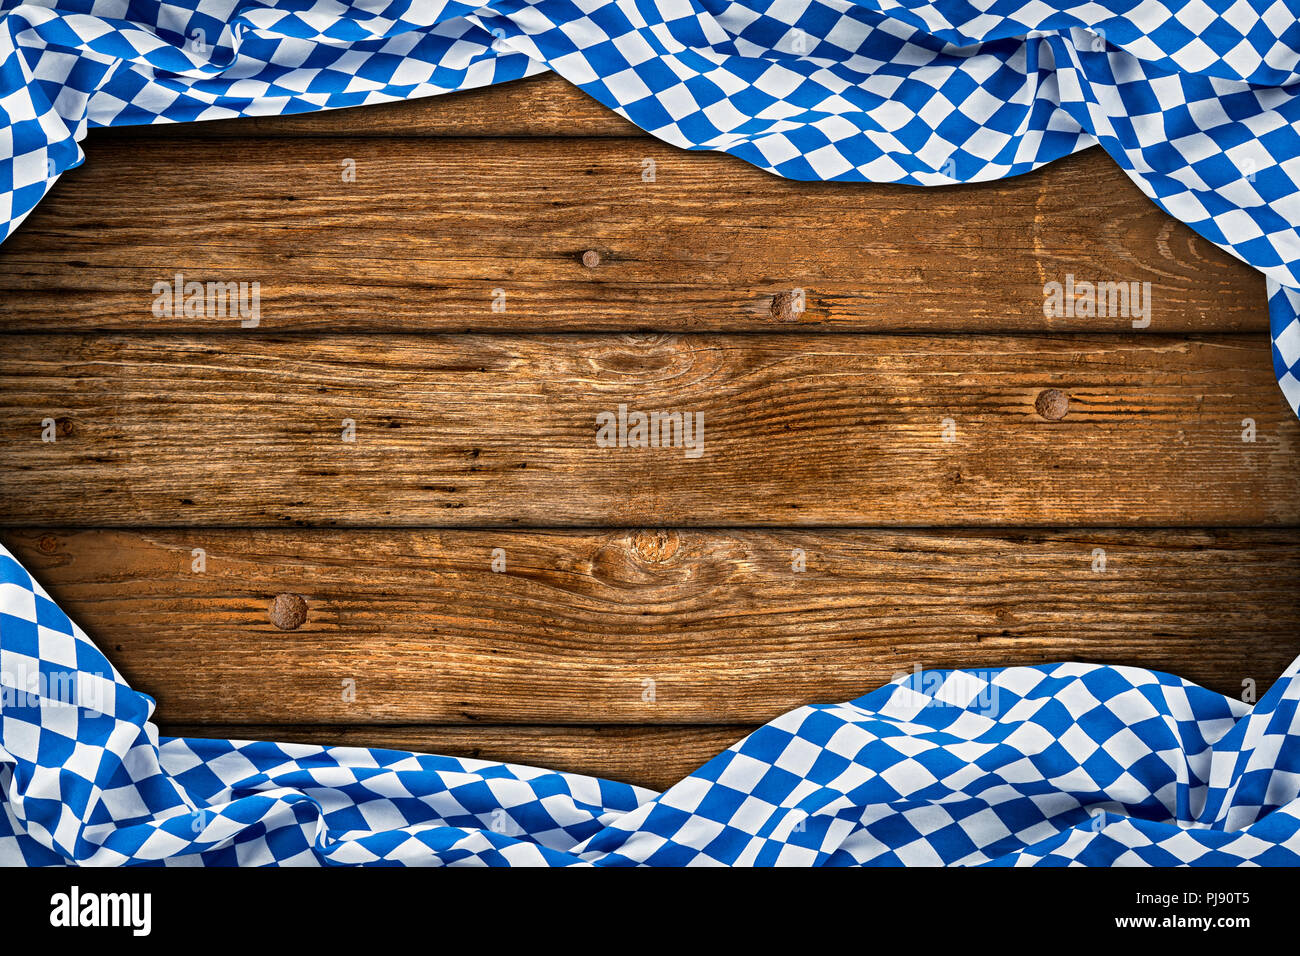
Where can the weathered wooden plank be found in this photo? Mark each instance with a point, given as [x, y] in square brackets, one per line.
[538, 106]
[470, 431]
[577, 623]
[566, 235]
[649, 756]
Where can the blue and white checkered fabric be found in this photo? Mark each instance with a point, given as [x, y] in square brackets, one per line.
[1061, 764]
[1195, 99]
[1068, 763]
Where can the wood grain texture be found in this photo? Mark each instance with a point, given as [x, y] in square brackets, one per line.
[576, 623]
[536, 190]
[649, 756]
[495, 431]
[432, 229]
[538, 106]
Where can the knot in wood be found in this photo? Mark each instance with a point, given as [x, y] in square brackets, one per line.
[654, 547]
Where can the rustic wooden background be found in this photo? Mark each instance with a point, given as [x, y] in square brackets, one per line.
[475, 431]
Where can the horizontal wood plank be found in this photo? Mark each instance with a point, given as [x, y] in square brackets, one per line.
[531, 235]
[473, 431]
[654, 757]
[538, 106]
[572, 626]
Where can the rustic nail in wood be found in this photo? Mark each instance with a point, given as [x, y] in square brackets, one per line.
[288, 612]
[1053, 404]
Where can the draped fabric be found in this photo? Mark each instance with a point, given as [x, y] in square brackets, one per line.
[1052, 765]
[1068, 763]
[1194, 99]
